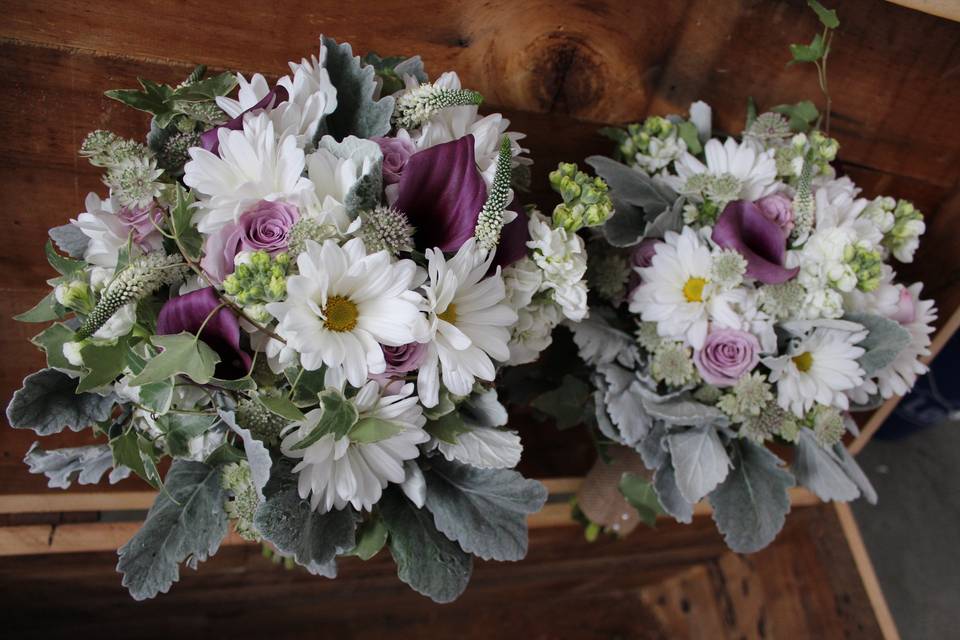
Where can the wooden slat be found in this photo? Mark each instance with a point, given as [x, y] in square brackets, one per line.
[949, 9]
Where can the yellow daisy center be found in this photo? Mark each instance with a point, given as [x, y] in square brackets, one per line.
[693, 289]
[450, 315]
[341, 314]
[803, 361]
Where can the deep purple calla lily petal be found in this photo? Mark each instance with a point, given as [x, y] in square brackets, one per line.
[221, 332]
[442, 192]
[513, 242]
[210, 140]
[743, 228]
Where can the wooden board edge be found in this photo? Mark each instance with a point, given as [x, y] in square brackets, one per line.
[861, 558]
[948, 9]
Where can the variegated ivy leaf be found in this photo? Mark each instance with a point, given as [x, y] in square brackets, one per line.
[48, 402]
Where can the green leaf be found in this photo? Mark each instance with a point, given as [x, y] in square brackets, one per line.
[566, 403]
[357, 113]
[206, 90]
[802, 115]
[750, 506]
[484, 510]
[63, 265]
[182, 226]
[616, 134]
[828, 17]
[102, 363]
[631, 186]
[132, 450]
[187, 522]
[224, 454]
[138, 100]
[338, 416]
[289, 523]
[309, 384]
[751, 112]
[447, 427]
[371, 536]
[183, 354]
[47, 402]
[639, 492]
[808, 52]
[51, 340]
[44, 311]
[688, 133]
[157, 396]
[281, 407]
[180, 428]
[885, 340]
[368, 430]
[426, 559]
[246, 383]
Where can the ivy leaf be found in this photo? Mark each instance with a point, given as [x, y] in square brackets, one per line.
[371, 537]
[85, 465]
[485, 510]
[157, 396]
[289, 523]
[102, 363]
[309, 384]
[63, 265]
[187, 522]
[427, 560]
[808, 52]
[47, 402]
[183, 354]
[357, 113]
[801, 115]
[828, 17]
[338, 416]
[282, 407]
[566, 403]
[447, 428]
[368, 430]
[688, 133]
[153, 98]
[132, 450]
[750, 506]
[51, 340]
[885, 340]
[44, 311]
[640, 494]
[180, 428]
[70, 239]
[206, 90]
[182, 226]
[699, 459]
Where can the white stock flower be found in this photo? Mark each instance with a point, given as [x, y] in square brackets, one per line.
[562, 258]
[533, 332]
[522, 280]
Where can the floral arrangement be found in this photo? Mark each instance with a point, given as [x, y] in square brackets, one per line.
[745, 295]
[300, 296]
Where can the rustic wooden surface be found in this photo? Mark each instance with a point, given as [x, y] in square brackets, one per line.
[675, 582]
[558, 69]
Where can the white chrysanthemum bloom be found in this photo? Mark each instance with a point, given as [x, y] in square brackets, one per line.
[453, 123]
[676, 289]
[563, 259]
[522, 281]
[840, 210]
[107, 233]
[898, 377]
[818, 370]
[333, 473]
[533, 332]
[344, 304]
[755, 171]
[252, 165]
[333, 176]
[469, 323]
[249, 93]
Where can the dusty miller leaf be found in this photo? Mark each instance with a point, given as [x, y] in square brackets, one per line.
[817, 469]
[357, 112]
[668, 493]
[601, 343]
[699, 459]
[85, 465]
[70, 239]
[47, 403]
[886, 339]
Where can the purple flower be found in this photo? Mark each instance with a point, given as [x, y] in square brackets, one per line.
[210, 140]
[513, 242]
[726, 355]
[396, 153]
[442, 192]
[744, 228]
[779, 208]
[641, 257]
[221, 331]
[143, 223]
[403, 359]
[264, 227]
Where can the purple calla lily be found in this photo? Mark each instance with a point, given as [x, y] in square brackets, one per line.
[513, 242]
[442, 192]
[210, 140]
[744, 228]
[221, 332]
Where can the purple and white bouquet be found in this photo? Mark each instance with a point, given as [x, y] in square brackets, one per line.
[301, 295]
[746, 295]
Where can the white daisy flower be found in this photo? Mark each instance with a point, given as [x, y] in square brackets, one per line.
[818, 370]
[469, 323]
[754, 170]
[252, 165]
[562, 258]
[344, 304]
[336, 472]
[676, 288]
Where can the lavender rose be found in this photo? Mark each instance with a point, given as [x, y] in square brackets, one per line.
[726, 355]
[403, 359]
[143, 222]
[396, 152]
[778, 208]
[265, 227]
